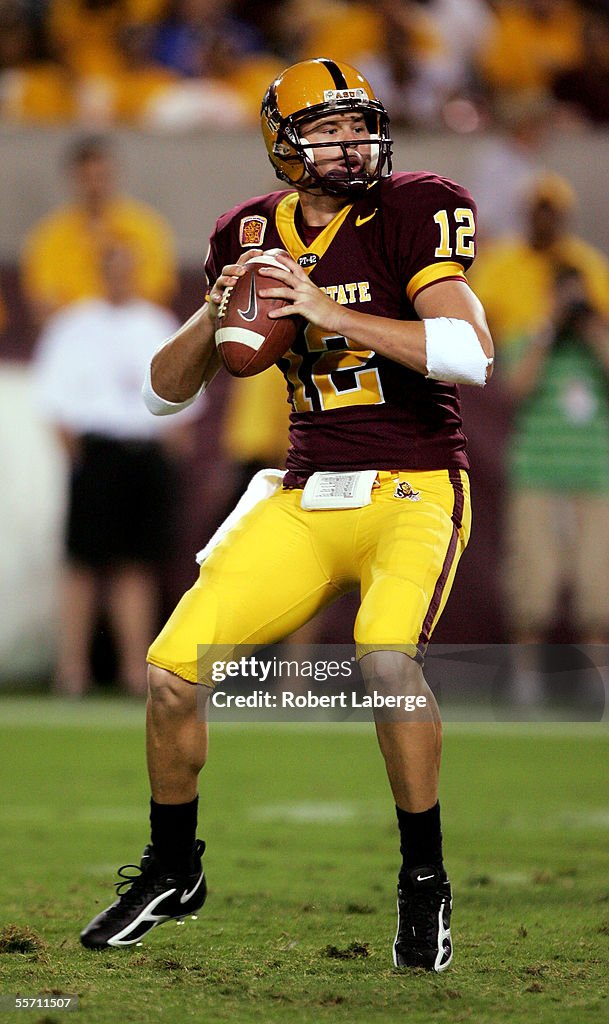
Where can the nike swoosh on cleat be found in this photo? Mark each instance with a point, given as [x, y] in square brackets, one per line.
[359, 220]
[424, 878]
[249, 314]
[122, 937]
[188, 895]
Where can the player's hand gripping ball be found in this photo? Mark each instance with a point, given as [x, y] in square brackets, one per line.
[246, 338]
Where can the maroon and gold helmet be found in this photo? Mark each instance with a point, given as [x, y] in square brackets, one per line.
[318, 88]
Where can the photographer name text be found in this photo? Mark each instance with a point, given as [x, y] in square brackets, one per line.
[298, 701]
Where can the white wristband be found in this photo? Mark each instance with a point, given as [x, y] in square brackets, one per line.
[159, 406]
[454, 352]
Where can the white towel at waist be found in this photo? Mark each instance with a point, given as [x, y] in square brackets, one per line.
[262, 485]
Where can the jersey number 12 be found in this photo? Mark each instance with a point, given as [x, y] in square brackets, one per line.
[466, 228]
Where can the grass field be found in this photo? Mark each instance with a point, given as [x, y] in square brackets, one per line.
[301, 865]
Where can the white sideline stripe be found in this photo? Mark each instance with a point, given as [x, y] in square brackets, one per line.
[239, 336]
[307, 813]
[343, 813]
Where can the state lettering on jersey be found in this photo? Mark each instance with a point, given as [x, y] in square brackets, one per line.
[251, 231]
[345, 294]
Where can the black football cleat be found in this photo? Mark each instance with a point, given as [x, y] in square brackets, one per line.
[146, 900]
[424, 906]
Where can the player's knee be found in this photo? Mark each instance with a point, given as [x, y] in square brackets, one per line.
[393, 670]
[399, 680]
[170, 693]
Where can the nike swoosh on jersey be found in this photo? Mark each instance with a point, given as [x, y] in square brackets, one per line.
[188, 895]
[359, 220]
[249, 314]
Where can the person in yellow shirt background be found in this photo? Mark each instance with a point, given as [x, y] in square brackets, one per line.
[514, 276]
[70, 274]
[61, 260]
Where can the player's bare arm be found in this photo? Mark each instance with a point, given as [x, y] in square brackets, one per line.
[190, 358]
[400, 340]
[187, 361]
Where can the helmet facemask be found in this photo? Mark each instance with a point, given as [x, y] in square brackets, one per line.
[294, 157]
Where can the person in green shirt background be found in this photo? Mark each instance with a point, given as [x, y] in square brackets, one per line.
[558, 475]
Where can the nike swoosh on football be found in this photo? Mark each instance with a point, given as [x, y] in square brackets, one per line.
[188, 895]
[249, 314]
[359, 220]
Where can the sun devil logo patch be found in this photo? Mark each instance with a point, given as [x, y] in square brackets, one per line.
[252, 230]
[404, 490]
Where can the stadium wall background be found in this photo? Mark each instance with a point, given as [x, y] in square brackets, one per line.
[191, 179]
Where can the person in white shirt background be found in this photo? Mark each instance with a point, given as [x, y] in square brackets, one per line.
[88, 367]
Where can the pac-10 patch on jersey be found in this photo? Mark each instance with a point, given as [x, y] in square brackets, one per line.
[252, 230]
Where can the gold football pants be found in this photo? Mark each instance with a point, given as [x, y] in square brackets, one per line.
[281, 564]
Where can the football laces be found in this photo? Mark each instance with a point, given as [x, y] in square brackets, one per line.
[224, 300]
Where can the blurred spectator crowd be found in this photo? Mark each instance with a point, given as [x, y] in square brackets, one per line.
[178, 64]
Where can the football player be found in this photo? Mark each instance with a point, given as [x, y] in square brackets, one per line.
[376, 268]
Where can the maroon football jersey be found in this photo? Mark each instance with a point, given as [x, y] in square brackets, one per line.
[354, 409]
